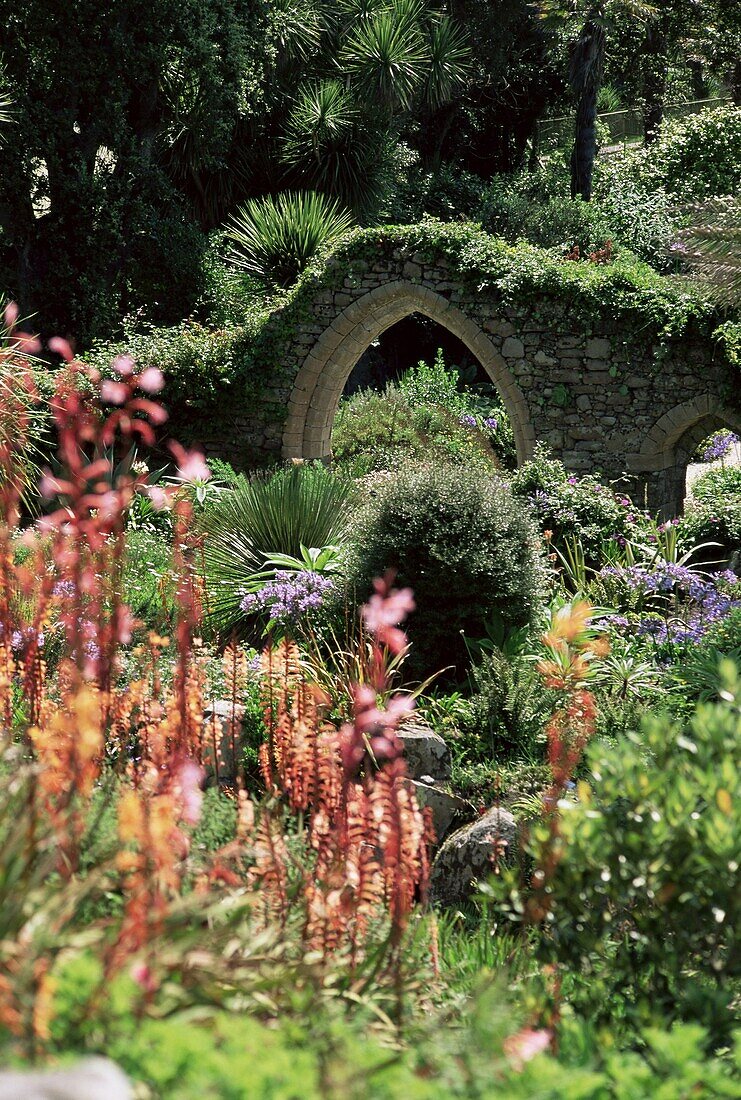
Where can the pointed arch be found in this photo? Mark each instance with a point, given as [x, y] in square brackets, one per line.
[322, 377]
[661, 464]
[703, 413]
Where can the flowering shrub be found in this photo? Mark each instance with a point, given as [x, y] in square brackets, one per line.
[377, 431]
[669, 602]
[567, 505]
[718, 446]
[713, 514]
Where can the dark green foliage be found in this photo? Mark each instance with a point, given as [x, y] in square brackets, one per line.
[645, 900]
[467, 548]
[270, 514]
[511, 210]
[509, 710]
[331, 148]
[119, 123]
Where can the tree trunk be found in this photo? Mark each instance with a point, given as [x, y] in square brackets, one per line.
[697, 76]
[655, 62]
[587, 63]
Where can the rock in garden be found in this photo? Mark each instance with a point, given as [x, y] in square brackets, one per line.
[425, 751]
[444, 805]
[93, 1079]
[468, 855]
[222, 721]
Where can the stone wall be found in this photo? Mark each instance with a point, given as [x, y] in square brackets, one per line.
[606, 399]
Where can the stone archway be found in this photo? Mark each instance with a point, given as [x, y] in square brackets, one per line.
[668, 445]
[326, 368]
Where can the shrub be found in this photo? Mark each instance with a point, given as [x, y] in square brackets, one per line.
[641, 214]
[509, 710]
[377, 431]
[463, 543]
[515, 213]
[698, 157]
[713, 514]
[271, 514]
[568, 505]
[718, 445]
[274, 238]
[643, 905]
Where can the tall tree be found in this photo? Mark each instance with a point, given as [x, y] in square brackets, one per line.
[92, 195]
[586, 27]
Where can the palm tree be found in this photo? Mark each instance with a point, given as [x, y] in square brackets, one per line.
[6, 103]
[588, 25]
[586, 65]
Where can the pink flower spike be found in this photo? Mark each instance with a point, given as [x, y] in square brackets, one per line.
[525, 1044]
[158, 496]
[123, 365]
[27, 344]
[192, 467]
[10, 316]
[48, 487]
[144, 977]
[151, 380]
[115, 393]
[191, 776]
[62, 347]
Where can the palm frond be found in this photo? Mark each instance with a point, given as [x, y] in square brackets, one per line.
[449, 56]
[711, 248]
[388, 58]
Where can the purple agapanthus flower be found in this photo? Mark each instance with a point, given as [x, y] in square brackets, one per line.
[468, 420]
[491, 423]
[720, 446]
[290, 597]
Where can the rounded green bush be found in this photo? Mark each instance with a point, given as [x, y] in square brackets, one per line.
[466, 547]
[699, 157]
[713, 514]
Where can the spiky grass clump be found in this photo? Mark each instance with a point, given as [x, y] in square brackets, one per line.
[271, 514]
[275, 237]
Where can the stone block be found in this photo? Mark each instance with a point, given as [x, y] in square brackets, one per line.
[513, 348]
[540, 359]
[597, 348]
[411, 270]
[425, 751]
[445, 806]
[222, 737]
[90, 1079]
[468, 856]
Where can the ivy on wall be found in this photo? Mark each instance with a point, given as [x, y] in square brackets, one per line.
[248, 360]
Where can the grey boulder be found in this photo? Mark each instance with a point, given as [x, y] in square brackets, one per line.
[469, 854]
[92, 1079]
